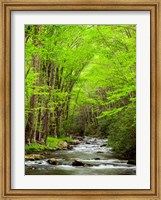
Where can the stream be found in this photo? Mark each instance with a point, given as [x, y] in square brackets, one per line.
[99, 159]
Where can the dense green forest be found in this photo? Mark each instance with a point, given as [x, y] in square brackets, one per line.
[81, 80]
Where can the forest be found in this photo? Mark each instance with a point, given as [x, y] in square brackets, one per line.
[80, 80]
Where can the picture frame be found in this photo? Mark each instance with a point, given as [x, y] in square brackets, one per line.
[5, 99]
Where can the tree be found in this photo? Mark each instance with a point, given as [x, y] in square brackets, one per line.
[80, 79]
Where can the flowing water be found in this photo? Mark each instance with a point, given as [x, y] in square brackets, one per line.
[99, 160]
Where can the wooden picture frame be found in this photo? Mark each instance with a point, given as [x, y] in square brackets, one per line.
[7, 6]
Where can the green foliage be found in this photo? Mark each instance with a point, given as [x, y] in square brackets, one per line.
[52, 144]
[54, 141]
[81, 79]
[122, 133]
[114, 111]
[35, 147]
[91, 130]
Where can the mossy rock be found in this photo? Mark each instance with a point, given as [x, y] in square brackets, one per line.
[63, 144]
[33, 157]
[52, 161]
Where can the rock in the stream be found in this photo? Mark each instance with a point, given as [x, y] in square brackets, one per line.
[52, 161]
[63, 144]
[75, 142]
[38, 162]
[31, 167]
[70, 147]
[88, 142]
[97, 158]
[33, 157]
[100, 152]
[103, 145]
[78, 163]
[79, 138]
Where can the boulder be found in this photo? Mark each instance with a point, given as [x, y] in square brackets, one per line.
[63, 144]
[70, 147]
[38, 162]
[52, 161]
[75, 142]
[31, 167]
[88, 142]
[77, 163]
[100, 152]
[97, 158]
[103, 145]
[33, 157]
[79, 138]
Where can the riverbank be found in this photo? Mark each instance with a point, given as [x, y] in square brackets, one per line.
[52, 145]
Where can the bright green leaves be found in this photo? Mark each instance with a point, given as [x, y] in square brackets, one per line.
[114, 111]
[81, 77]
[112, 68]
